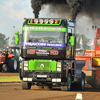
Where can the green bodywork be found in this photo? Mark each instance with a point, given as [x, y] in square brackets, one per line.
[41, 28]
[16, 37]
[42, 65]
[72, 40]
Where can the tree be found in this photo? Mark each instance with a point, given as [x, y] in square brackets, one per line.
[3, 41]
[84, 39]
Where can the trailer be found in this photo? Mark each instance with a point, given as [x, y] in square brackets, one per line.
[9, 59]
[48, 54]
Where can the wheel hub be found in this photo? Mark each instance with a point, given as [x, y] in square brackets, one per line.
[15, 64]
[82, 83]
[69, 83]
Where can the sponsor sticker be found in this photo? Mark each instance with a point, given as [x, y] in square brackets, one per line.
[42, 52]
[54, 52]
[30, 51]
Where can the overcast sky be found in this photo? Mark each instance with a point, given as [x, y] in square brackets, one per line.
[13, 12]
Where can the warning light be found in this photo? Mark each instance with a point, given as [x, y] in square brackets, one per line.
[31, 21]
[56, 21]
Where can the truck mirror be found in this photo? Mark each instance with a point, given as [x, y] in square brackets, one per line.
[16, 32]
[71, 40]
[16, 37]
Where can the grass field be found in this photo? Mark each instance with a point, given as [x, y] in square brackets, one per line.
[10, 79]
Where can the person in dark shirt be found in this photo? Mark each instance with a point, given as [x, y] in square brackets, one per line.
[5, 53]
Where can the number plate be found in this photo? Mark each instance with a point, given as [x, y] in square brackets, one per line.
[42, 76]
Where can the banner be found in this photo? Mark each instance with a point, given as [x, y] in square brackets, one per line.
[43, 44]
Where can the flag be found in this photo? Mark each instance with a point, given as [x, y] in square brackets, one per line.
[81, 43]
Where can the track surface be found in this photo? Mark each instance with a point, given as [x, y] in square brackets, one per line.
[9, 74]
[13, 91]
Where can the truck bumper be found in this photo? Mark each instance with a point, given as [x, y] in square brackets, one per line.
[33, 76]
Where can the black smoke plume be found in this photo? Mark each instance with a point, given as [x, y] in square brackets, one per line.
[90, 8]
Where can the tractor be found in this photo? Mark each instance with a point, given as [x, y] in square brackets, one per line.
[9, 59]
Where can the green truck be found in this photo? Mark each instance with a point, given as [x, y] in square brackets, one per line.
[48, 54]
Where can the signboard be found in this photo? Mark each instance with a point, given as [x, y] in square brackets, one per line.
[43, 44]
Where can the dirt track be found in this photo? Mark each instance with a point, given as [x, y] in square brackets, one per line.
[9, 74]
[12, 91]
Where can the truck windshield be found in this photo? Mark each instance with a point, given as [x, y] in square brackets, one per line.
[98, 40]
[43, 36]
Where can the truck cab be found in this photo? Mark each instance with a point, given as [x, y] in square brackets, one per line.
[48, 53]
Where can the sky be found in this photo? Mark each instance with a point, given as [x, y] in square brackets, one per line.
[13, 12]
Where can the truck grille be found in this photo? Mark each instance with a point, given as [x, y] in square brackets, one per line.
[42, 65]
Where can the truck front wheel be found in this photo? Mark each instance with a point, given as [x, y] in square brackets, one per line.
[25, 85]
[69, 82]
[67, 85]
[82, 83]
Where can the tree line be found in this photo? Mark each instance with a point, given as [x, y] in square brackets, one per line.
[3, 40]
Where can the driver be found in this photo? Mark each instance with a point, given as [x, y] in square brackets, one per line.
[4, 52]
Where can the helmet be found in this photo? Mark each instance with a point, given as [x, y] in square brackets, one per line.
[4, 50]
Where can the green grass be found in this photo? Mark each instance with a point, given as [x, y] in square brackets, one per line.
[10, 79]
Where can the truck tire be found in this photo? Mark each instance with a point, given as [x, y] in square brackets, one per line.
[12, 64]
[25, 85]
[82, 82]
[4, 68]
[18, 66]
[64, 87]
[67, 85]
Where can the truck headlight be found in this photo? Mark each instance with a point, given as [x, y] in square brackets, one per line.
[59, 69]
[46, 21]
[25, 65]
[41, 21]
[20, 64]
[51, 21]
[36, 21]
[59, 66]
[25, 68]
